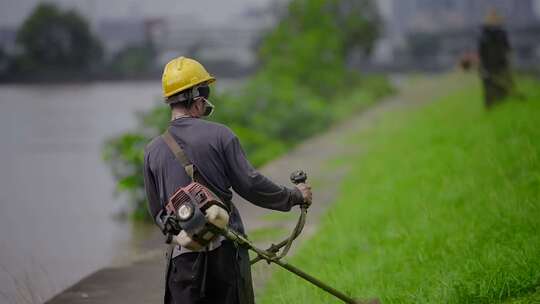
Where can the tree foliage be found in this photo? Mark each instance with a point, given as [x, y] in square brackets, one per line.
[311, 43]
[52, 38]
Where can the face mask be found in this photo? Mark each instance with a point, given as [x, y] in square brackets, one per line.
[208, 108]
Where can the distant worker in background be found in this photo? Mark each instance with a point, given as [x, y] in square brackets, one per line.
[494, 49]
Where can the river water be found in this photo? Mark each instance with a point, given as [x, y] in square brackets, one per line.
[57, 208]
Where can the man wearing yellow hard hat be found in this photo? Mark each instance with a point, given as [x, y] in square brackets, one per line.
[209, 153]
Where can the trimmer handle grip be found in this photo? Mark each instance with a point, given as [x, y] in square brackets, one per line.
[298, 177]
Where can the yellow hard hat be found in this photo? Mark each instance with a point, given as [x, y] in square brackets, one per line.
[493, 18]
[183, 73]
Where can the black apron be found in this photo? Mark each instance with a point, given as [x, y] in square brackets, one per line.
[222, 275]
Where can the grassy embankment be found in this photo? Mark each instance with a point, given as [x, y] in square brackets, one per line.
[443, 206]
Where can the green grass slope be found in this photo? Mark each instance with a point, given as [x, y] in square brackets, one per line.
[443, 206]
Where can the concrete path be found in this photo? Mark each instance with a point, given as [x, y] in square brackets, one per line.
[141, 280]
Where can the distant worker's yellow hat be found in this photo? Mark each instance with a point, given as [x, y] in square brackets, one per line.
[183, 73]
[493, 18]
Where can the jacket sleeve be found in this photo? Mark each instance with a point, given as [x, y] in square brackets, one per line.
[152, 196]
[253, 186]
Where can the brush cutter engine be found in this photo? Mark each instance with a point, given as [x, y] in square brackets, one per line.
[193, 217]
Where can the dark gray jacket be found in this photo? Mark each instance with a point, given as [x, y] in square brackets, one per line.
[218, 156]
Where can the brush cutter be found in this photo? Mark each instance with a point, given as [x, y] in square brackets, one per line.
[183, 215]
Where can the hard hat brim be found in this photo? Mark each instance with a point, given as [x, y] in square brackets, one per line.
[208, 80]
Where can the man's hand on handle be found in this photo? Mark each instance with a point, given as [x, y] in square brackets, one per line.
[299, 178]
[305, 188]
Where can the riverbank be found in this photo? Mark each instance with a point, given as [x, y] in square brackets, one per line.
[116, 284]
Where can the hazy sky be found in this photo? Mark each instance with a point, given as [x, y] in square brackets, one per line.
[12, 12]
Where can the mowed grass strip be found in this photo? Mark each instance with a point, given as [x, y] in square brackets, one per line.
[443, 206]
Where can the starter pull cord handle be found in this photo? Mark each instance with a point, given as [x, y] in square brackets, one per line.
[297, 177]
